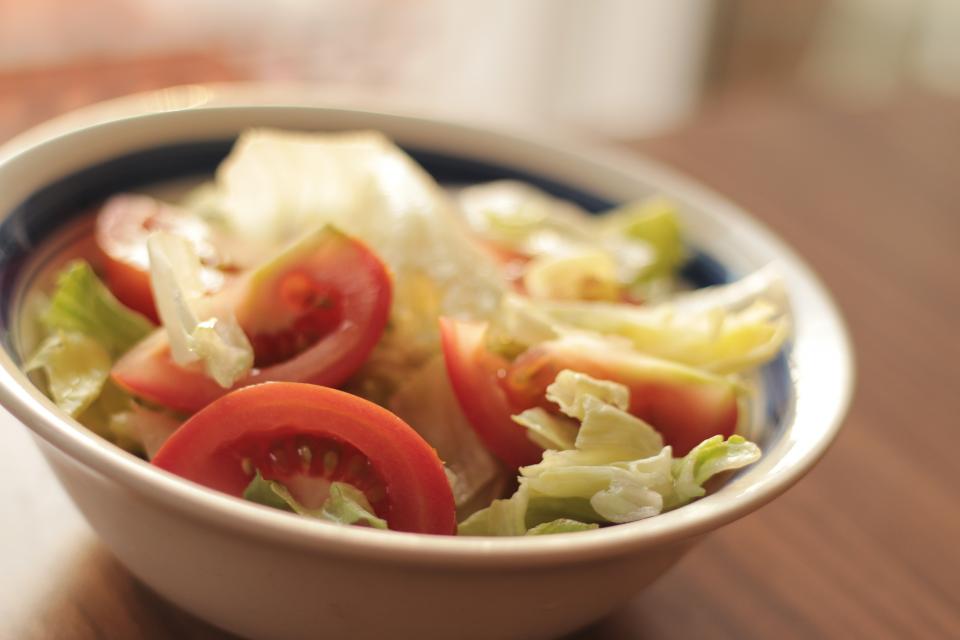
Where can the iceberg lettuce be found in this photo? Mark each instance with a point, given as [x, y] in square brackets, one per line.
[345, 503]
[617, 471]
[82, 304]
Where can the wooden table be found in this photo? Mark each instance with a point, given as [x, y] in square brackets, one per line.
[866, 546]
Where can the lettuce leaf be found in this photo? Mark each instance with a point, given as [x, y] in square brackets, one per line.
[505, 517]
[427, 403]
[525, 219]
[348, 505]
[713, 339]
[75, 367]
[345, 504]
[583, 275]
[547, 430]
[561, 525]
[655, 222]
[709, 458]
[618, 470]
[82, 304]
[138, 428]
[195, 335]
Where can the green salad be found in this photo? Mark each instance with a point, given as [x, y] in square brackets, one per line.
[324, 330]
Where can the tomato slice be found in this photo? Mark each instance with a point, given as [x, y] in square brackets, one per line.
[312, 315]
[121, 230]
[474, 372]
[685, 405]
[307, 437]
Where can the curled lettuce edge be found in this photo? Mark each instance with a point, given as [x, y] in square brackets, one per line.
[618, 470]
[81, 303]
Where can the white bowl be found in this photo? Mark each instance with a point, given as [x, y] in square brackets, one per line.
[265, 574]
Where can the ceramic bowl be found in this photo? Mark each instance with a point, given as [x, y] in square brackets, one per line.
[265, 574]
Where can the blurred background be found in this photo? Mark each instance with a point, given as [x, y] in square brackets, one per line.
[612, 68]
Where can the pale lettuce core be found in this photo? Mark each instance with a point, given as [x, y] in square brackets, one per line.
[195, 334]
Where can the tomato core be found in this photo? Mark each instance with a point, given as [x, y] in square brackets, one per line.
[317, 311]
[307, 464]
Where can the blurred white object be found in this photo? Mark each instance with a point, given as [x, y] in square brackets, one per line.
[629, 68]
[865, 51]
[613, 67]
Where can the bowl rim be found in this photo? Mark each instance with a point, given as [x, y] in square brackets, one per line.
[193, 501]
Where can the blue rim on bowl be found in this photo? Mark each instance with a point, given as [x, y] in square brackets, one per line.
[807, 387]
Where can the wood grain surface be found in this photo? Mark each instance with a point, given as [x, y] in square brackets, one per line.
[865, 547]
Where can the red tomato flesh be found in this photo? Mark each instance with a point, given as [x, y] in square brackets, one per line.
[311, 316]
[306, 437]
[686, 406]
[122, 227]
[474, 373]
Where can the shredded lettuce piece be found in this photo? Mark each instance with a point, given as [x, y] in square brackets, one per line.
[518, 324]
[715, 340]
[506, 517]
[101, 417]
[348, 505]
[427, 403]
[87, 329]
[618, 470]
[135, 427]
[547, 430]
[575, 393]
[561, 525]
[523, 218]
[75, 366]
[82, 304]
[765, 283]
[655, 222]
[584, 275]
[216, 341]
[707, 459]
[345, 504]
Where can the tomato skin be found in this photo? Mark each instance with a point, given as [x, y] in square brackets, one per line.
[686, 406]
[205, 448]
[123, 225]
[341, 262]
[474, 372]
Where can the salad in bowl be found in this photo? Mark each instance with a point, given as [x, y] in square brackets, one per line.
[324, 329]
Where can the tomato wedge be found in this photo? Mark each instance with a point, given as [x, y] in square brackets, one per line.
[307, 437]
[312, 315]
[685, 405]
[123, 224]
[474, 372]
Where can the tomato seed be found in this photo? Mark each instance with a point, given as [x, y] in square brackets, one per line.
[330, 461]
[306, 455]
